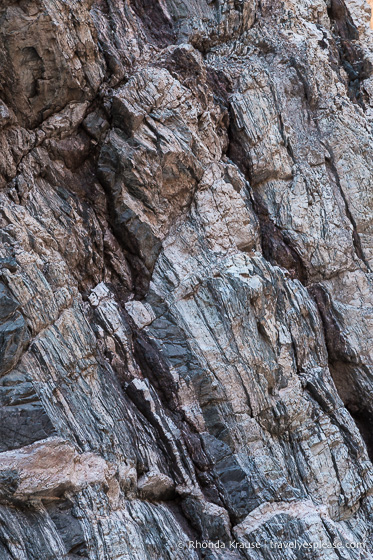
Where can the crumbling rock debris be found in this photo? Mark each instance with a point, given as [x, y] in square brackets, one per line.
[186, 253]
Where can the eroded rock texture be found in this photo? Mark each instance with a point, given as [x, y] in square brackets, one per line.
[186, 298]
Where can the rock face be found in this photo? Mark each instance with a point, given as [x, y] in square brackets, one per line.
[186, 288]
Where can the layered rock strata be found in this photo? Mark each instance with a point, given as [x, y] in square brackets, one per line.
[186, 298]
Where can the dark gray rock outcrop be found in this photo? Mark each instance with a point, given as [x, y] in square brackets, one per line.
[186, 300]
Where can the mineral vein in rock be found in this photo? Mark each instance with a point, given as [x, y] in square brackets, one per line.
[186, 298]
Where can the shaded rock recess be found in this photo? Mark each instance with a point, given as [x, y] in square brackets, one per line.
[186, 288]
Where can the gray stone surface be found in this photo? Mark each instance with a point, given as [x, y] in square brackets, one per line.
[186, 253]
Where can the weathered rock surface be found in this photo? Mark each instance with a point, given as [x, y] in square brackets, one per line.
[186, 290]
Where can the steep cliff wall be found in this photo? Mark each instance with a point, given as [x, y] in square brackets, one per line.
[186, 298]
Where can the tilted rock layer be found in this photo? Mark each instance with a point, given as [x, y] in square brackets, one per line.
[186, 296]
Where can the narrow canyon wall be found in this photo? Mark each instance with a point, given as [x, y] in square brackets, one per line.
[186, 297]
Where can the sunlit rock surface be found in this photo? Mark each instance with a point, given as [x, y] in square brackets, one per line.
[186, 291]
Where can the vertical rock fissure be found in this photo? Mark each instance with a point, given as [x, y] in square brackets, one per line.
[342, 365]
[351, 56]
[330, 163]
[162, 254]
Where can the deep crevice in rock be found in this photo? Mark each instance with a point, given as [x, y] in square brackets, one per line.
[351, 56]
[352, 395]
[331, 167]
[364, 422]
[276, 246]
[343, 366]
[154, 382]
[156, 23]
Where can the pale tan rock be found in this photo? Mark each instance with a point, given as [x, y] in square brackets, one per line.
[186, 293]
[51, 468]
[142, 314]
[155, 486]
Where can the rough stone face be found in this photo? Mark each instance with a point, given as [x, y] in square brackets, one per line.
[186, 297]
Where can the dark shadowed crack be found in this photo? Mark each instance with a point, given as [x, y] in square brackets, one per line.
[276, 246]
[156, 22]
[351, 56]
[345, 366]
[333, 172]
